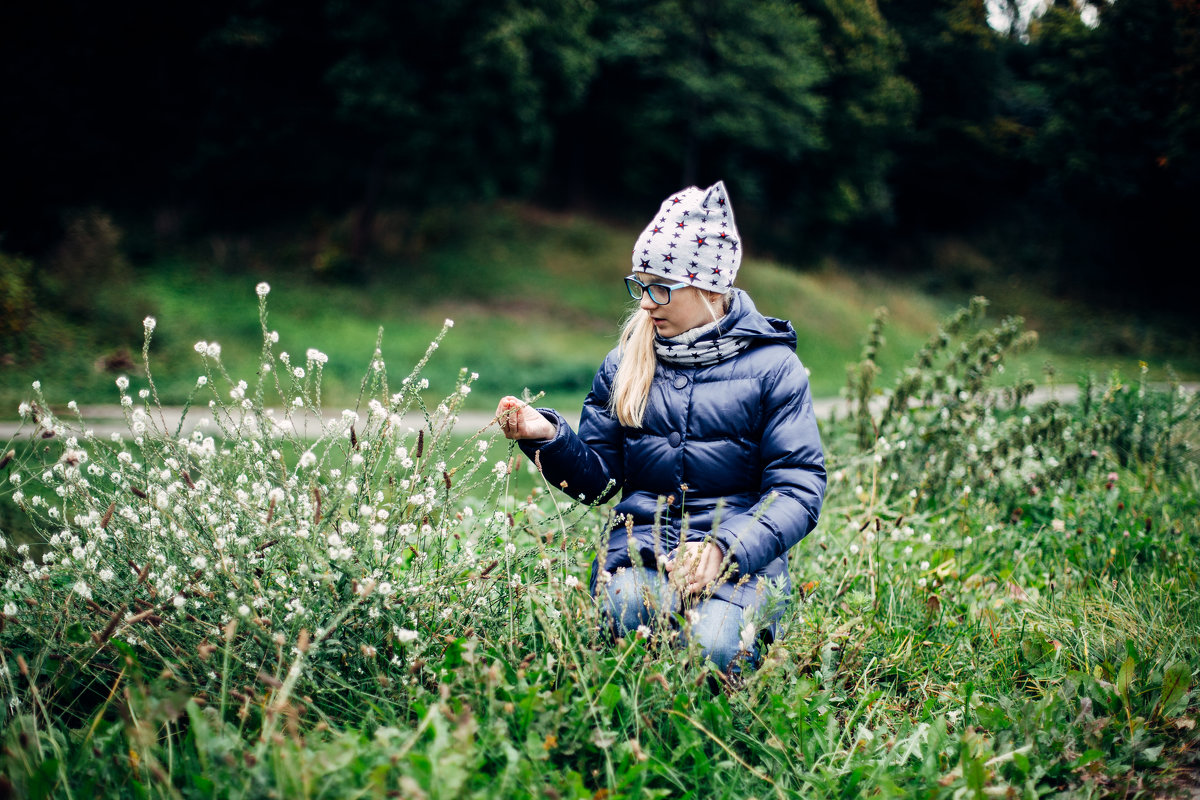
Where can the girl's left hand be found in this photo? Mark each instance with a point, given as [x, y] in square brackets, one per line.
[699, 564]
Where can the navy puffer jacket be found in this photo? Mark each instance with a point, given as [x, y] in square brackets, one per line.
[734, 446]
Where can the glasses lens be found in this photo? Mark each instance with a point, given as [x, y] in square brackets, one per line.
[634, 288]
[659, 293]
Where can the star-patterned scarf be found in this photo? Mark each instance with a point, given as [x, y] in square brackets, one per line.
[699, 347]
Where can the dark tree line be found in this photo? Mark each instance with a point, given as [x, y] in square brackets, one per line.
[844, 125]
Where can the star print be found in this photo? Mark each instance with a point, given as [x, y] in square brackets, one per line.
[667, 257]
[733, 246]
[645, 252]
[676, 234]
[721, 200]
[656, 230]
[692, 275]
[671, 245]
[675, 200]
[680, 224]
[693, 264]
[722, 234]
[685, 213]
[716, 270]
[700, 241]
[645, 264]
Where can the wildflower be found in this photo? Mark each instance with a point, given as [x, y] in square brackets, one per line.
[511, 549]
[308, 459]
[298, 372]
[643, 632]
[202, 380]
[571, 582]
[122, 383]
[149, 323]
[746, 640]
[82, 589]
[313, 354]
[10, 609]
[853, 549]
[404, 635]
[263, 289]
[214, 350]
[1058, 525]
[449, 323]
[500, 469]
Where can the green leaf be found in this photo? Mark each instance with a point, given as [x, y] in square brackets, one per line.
[1176, 681]
[1088, 757]
[1125, 677]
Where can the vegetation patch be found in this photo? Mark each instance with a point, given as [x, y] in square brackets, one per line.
[1000, 600]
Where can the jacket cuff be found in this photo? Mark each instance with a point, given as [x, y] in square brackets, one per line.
[531, 446]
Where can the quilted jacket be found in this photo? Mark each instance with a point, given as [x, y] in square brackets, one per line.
[732, 449]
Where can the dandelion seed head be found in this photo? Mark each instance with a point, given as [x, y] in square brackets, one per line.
[262, 289]
[149, 323]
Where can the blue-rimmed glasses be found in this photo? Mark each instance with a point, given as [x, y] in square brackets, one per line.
[660, 293]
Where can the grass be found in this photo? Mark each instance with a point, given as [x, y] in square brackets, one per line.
[998, 601]
[537, 302]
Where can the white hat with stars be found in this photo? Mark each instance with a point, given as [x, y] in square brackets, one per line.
[692, 239]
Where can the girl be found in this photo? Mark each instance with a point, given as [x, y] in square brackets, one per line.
[701, 418]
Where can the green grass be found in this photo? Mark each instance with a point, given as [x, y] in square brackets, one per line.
[537, 302]
[997, 602]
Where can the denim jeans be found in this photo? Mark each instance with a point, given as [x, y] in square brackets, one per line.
[642, 596]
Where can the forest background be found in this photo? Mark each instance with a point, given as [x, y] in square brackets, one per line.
[980, 146]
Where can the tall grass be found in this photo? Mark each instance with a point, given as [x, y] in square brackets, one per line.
[1000, 599]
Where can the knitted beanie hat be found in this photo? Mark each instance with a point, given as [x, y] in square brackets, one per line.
[692, 239]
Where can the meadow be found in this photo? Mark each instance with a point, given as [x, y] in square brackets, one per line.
[1001, 599]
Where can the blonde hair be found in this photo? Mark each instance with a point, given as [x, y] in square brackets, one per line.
[635, 371]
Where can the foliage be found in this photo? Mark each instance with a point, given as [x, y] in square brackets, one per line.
[260, 610]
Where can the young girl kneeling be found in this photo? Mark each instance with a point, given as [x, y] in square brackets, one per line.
[701, 418]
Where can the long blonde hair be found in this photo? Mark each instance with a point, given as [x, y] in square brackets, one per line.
[635, 371]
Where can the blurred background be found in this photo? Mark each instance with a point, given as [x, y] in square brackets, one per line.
[390, 164]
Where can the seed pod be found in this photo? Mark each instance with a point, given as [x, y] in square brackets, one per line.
[6, 458]
[108, 514]
[353, 438]
[138, 492]
[420, 442]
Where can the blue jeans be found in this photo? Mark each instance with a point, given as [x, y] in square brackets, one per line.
[642, 596]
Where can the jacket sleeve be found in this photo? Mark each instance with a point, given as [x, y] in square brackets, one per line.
[793, 477]
[589, 465]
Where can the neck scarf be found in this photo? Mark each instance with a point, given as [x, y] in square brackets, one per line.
[699, 347]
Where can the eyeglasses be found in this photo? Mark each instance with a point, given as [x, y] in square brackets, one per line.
[660, 293]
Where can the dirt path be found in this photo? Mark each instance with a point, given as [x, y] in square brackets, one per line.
[106, 420]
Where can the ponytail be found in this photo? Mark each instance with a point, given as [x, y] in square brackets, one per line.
[635, 373]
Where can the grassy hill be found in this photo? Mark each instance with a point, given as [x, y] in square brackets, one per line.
[536, 300]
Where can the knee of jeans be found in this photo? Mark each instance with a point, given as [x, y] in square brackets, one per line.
[625, 601]
[719, 638]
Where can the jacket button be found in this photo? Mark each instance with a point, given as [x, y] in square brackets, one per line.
[680, 381]
[674, 439]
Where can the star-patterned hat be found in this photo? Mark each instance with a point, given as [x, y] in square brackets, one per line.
[692, 239]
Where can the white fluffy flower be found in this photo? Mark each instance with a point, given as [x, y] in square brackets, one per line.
[263, 289]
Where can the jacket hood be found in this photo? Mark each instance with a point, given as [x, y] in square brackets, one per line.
[745, 320]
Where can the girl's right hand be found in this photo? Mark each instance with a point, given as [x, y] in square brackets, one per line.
[519, 420]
